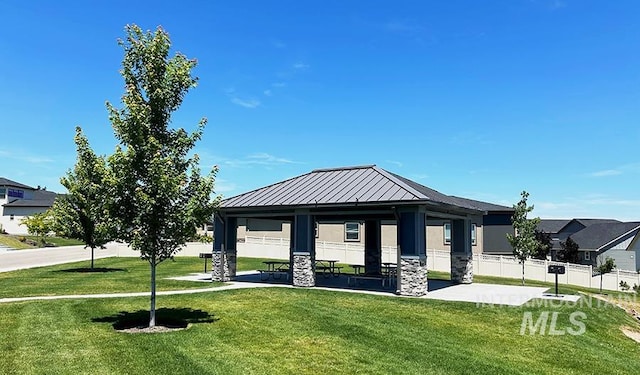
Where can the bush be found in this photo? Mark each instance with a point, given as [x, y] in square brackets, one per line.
[22, 239]
[636, 288]
[624, 286]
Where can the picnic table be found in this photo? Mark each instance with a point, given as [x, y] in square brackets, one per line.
[385, 277]
[328, 267]
[275, 269]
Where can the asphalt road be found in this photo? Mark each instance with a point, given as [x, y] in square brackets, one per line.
[21, 259]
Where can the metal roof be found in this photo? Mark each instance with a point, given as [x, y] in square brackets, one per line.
[596, 236]
[485, 206]
[347, 186]
[41, 198]
[7, 182]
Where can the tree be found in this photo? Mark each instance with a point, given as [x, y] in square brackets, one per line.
[605, 266]
[544, 245]
[160, 196]
[83, 214]
[523, 241]
[569, 251]
[38, 225]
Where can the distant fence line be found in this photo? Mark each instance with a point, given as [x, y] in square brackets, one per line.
[440, 260]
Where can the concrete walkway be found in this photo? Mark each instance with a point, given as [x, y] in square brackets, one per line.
[30, 258]
[478, 293]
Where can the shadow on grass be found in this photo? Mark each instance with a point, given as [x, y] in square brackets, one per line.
[89, 270]
[172, 318]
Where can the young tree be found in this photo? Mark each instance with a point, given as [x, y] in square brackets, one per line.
[39, 225]
[603, 267]
[523, 241]
[83, 213]
[569, 252]
[160, 196]
[544, 245]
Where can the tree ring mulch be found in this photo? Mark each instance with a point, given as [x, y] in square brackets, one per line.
[156, 329]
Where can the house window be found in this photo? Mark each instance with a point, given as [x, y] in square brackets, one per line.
[3, 193]
[587, 255]
[352, 231]
[447, 233]
[473, 234]
[11, 217]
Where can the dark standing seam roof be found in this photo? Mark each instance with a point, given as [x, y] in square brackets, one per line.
[41, 198]
[365, 184]
[7, 182]
[596, 236]
[485, 206]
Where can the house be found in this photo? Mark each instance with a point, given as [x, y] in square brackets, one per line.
[619, 241]
[561, 229]
[18, 201]
[488, 231]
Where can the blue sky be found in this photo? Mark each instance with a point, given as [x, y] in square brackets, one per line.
[476, 99]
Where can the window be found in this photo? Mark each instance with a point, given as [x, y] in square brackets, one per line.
[316, 229]
[447, 233]
[11, 217]
[352, 231]
[587, 255]
[3, 193]
[473, 234]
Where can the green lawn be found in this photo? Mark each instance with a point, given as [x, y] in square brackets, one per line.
[291, 331]
[288, 331]
[113, 275]
[14, 242]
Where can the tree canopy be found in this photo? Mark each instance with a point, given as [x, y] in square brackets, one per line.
[160, 197]
[523, 241]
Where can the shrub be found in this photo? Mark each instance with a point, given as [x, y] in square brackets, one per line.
[624, 286]
[22, 239]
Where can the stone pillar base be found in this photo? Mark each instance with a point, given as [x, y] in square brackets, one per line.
[220, 270]
[462, 268]
[303, 270]
[413, 276]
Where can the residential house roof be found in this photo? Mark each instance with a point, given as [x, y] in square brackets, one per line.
[347, 186]
[41, 198]
[552, 225]
[7, 182]
[597, 236]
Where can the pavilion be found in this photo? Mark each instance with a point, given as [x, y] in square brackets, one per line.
[366, 193]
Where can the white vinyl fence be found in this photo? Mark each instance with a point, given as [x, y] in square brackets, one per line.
[438, 260]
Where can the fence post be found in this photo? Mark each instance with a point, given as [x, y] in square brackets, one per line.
[546, 267]
[617, 278]
[501, 275]
[568, 270]
[590, 276]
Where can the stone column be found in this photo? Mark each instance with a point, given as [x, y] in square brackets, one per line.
[304, 250]
[223, 260]
[412, 243]
[461, 254]
[372, 247]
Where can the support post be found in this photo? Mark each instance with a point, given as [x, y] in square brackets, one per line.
[461, 254]
[372, 247]
[223, 259]
[412, 243]
[304, 252]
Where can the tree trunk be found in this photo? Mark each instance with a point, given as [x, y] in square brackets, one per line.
[152, 318]
[601, 274]
[522, 272]
[92, 248]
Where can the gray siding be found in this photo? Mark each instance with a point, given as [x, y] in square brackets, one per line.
[495, 239]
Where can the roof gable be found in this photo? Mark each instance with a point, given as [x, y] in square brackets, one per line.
[349, 185]
[597, 236]
[7, 182]
[552, 225]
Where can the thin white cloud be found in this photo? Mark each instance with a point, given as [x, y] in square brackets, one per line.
[606, 172]
[224, 186]
[279, 84]
[259, 158]
[26, 157]
[246, 103]
[301, 66]
[267, 92]
[278, 43]
[397, 163]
